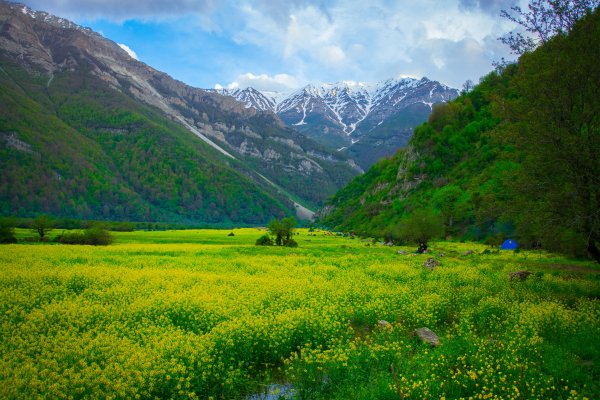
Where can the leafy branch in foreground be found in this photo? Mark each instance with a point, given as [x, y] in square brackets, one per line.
[544, 19]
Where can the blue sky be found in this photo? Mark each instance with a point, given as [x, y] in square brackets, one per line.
[281, 45]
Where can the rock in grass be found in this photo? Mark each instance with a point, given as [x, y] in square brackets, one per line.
[402, 252]
[427, 335]
[468, 253]
[384, 324]
[520, 275]
[431, 263]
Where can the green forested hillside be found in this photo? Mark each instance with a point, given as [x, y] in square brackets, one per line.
[74, 147]
[517, 156]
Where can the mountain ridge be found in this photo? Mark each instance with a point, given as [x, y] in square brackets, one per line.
[53, 50]
[345, 113]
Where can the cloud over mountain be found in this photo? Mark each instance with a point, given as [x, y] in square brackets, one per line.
[313, 40]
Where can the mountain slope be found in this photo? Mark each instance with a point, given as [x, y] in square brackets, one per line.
[60, 59]
[451, 164]
[364, 121]
[516, 157]
[70, 154]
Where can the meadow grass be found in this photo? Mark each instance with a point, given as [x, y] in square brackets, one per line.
[199, 314]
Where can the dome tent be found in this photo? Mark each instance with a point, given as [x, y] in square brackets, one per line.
[509, 244]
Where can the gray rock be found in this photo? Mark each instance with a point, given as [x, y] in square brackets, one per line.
[468, 253]
[427, 336]
[520, 275]
[402, 252]
[431, 263]
[389, 244]
[384, 324]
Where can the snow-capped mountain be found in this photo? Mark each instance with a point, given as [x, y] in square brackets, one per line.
[345, 113]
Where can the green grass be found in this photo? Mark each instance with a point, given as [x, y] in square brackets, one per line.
[199, 314]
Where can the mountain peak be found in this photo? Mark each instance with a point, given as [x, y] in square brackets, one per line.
[341, 114]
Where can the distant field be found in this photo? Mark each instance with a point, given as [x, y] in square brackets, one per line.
[199, 314]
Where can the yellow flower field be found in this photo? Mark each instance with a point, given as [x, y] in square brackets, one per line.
[199, 314]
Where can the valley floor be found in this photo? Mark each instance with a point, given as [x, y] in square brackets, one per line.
[200, 314]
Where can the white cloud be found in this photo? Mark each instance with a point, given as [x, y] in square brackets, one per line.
[119, 10]
[318, 40]
[377, 39]
[275, 83]
[332, 54]
[128, 51]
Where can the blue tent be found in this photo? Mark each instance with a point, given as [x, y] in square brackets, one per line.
[508, 244]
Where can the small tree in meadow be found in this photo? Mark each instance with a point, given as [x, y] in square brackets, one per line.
[42, 225]
[283, 231]
[420, 227]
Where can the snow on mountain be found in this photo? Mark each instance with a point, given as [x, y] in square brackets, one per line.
[344, 106]
[50, 19]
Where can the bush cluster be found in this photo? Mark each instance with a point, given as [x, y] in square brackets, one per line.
[95, 236]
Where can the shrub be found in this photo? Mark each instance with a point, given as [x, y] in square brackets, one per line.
[122, 226]
[71, 238]
[264, 240]
[231, 234]
[7, 231]
[291, 243]
[96, 236]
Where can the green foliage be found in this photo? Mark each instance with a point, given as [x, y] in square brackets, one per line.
[291, 243]
[96, 235]
[421, 226]
[7, 231]
[283, 230]
[42, 225]
[89, 152]
[554, 126]
[264, 240]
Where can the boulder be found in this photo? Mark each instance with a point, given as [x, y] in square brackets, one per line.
[427, 336]
[520, 275]
[431, 263]
[384, 324]
[389, 244]
[441, 255]
[468, 253]
[402, 252]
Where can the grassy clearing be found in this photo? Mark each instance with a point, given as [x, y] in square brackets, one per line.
[199, 314]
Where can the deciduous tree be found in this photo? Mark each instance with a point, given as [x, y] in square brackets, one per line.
[544, 19]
